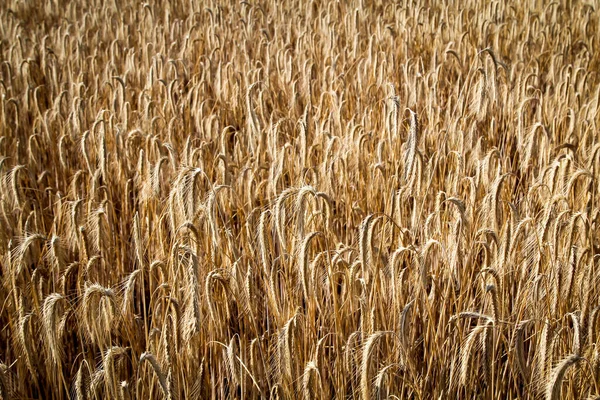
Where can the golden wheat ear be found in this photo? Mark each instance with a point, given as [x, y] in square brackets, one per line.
[554, 384]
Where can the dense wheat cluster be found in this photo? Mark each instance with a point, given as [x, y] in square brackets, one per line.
[299, 199]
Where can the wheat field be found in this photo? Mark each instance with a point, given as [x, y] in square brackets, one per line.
[299, 199]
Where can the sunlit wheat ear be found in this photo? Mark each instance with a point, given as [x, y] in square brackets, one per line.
[394, 111]
[14, 182]
[310, 391]
[554, 384]
[162, 378]
[93, 265]
[56, 254]
[253, 354]
[493, 81]
[487, 339]
[192, 315]
[533, 143]
[263, 234]
[247, 293]
[579, 174]
[278, 169]
[98, 224]
[232, 364]
[326, 209]
[370, 244]
[544, 352]
[468, 350]
[519, 346]
[457, 255]
[252, 118]
[300, 208]
[128, 294]
[157, 267]
[495, 198]
[84, 151]
[495, 302]
[155, 177]
[212, 209]
[576, 334]
[212, 279]
[403, 324]
[20, 252]
[102, 157]
[284, 361]
[194, 237]
[33, 145]
[24, 336]
[363, 240]
[84, 243]
[303, 263]
[52, 314]
[99, 311]
[591, 323]
[31, 223]
[138, 241]
[184, 197]
[279, 214]
[367, 353]
[479, 103]
[111, 357]
[62, 152]
[75, 221]
[411, 145]
[81, 385]
[196, 387]
[303, 138]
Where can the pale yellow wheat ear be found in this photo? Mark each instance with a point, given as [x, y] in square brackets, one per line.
[193, 311]
[162, 378]
[393, 112]
[128, 295]
[411, 145]
[25, 333]
[253, 121]
[310, 387]
[467, 352]
[554, 384]
[53, 316]
[303, 263]
[99, 308]
[542, 368]
[81, 385]
[480, 95]
[519, 348]
[110, 363]
[367, 354]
